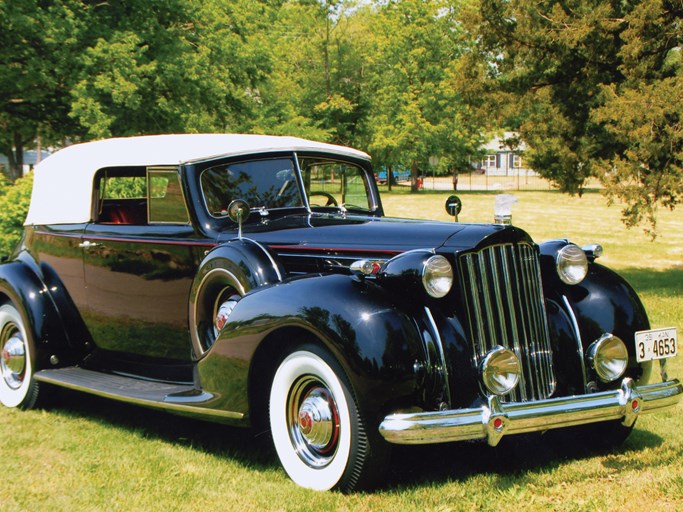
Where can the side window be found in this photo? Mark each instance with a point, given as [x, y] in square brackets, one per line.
[166, 199]
[121, 196]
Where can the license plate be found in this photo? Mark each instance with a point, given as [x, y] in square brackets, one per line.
[656, 344]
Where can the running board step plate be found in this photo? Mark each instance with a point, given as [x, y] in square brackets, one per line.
[174, 397]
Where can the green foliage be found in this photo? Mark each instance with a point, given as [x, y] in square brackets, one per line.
[644, 115]
[594, 87]
[38, 44]
[159, 67]
[417, 112]
[14, 203]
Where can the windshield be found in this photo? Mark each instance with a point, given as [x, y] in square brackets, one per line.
[272, 183]
[261, 183]
[331, 183]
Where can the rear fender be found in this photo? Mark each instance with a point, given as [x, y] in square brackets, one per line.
[20, 285]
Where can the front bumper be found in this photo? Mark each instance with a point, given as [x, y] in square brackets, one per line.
[493, 421]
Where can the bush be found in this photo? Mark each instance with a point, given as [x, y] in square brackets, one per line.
[14, 202]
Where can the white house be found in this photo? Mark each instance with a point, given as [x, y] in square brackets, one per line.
[505, 156]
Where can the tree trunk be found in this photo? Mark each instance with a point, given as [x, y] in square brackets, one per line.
[15, 158]
[413, 175]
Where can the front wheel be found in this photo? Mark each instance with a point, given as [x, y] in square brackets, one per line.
[317, 430]
[18, 388]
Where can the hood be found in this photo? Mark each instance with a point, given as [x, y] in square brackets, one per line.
[363, 236]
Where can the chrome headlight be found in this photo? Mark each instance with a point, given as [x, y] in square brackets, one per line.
[572, 264]
[608, 356]
[500, 371]
[437, 276]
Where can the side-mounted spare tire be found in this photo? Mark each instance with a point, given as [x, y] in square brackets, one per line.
[225, 275]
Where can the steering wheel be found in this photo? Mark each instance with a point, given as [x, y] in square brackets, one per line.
[331, 201]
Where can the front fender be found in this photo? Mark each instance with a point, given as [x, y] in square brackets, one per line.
[241, 265]
[604, 302]
[375, 343]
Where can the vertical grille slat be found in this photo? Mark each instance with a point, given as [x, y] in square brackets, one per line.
[504, 299]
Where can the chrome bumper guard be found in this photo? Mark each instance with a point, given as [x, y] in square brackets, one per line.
[493, 421]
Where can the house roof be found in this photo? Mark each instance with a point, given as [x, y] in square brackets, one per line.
[62, 187]
[502, 143]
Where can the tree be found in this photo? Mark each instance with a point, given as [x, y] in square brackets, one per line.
[77, 70]
[417, 110]
[644, 115]
[563, 73]
[38, 41]
[160, 66]
[316, 85]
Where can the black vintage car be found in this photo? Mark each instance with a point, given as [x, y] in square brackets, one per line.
[252, 279]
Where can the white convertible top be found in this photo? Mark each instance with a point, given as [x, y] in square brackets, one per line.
[62, 186]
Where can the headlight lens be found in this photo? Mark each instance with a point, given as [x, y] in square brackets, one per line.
[500, 371]
[572, 264]
[608, 356]
[437, 276]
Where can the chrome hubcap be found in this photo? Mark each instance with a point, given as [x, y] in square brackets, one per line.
[313, 422]
[13, 361]
[316, 420]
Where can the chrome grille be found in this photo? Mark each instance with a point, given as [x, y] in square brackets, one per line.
[504, 298]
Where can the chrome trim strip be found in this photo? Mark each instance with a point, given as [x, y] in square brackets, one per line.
[442, 354]
[496, 419]
[579, 341]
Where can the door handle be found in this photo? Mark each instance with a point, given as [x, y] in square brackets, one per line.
[87, 244]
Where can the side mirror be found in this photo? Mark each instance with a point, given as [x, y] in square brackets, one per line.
[238, 211]
[454, 206]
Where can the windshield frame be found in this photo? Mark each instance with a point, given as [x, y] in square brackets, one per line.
[363, 165]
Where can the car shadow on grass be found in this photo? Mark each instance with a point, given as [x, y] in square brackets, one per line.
[516, 458]
[411, 466]
[245, 446]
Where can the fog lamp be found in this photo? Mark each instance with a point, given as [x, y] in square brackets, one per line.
[500, 371]
[608, 356]
[572, 264]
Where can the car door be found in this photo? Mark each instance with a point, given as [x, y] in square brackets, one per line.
[140, 256]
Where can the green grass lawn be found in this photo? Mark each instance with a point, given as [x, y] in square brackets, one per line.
[90, 454]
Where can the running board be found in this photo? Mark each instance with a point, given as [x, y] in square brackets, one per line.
[172, 397]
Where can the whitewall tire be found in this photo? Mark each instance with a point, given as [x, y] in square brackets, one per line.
[18, 388]
[316, 426]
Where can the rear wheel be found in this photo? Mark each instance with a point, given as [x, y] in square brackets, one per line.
[18, 388]
[317, 429]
